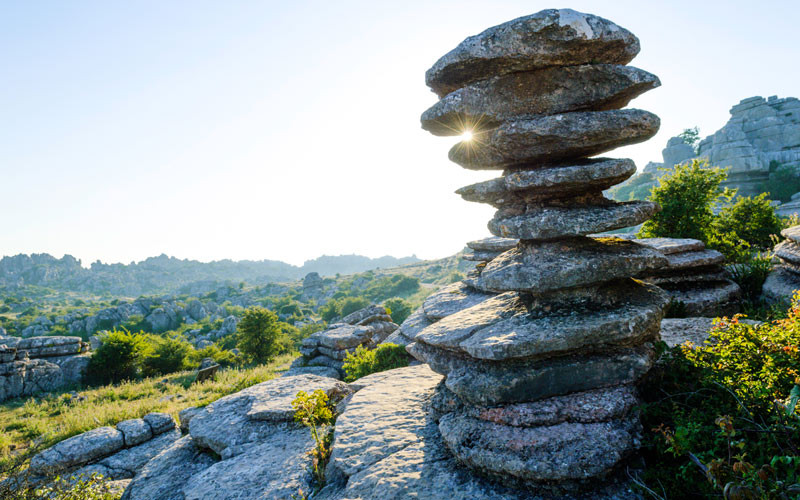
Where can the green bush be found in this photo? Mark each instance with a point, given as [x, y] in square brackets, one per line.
[723, 416]
[687, 197]
[220, 356]
[258, 334]
[399, 309]
[352, 304]
[118, 358]
[365, 361]
[168, 355]
[751, 219]
[751, 275]
[783, 182]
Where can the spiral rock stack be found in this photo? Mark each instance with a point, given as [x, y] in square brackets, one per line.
[539, 380]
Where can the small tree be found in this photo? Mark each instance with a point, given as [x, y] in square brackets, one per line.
[687, 197]
[352, 304]
[753, 219]
[691, 136]
[118, 358]
[258, 334]
[169, 355]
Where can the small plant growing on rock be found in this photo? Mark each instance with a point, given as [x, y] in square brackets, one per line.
[312, 411]
[365, 361]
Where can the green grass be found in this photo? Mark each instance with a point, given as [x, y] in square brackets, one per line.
[28, 425]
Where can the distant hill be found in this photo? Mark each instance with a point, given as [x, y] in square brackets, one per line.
[165, 274]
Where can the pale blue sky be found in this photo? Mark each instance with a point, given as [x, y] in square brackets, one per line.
[287, 130]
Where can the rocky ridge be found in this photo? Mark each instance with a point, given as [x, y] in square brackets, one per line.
[784, 280]
[557, 320]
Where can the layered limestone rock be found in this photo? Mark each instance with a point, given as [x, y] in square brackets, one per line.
[40, 364]
[694, 277]
[539, 366]
[366, 327]
[784, 280]
[113, 452]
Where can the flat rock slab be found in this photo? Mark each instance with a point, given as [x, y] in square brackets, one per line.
[710, 299]
[279, 467]
[788, 251]
[451, 299]
[345, 336]
[554, 138]
[555, 222]
[135, 431]
[413, 461]
[77, 450]
[547, 38]
[481, 256]
[506, 327]
[792, 233]
[523, 186]
[562, 452]
[669, 246]
[168, 472]
[780, 285]
[540, 267]
[600, 405]
[230, 424]
[493, 244]
[322, 371]
[697, 274]
[480, 382]
[382, 418]
[126, 463]
[40, 347]
[560, 89]
[411, 327]
[688, 260]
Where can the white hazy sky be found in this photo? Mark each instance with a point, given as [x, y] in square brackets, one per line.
[287, 130]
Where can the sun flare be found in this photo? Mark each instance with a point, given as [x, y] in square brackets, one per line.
[466, 136]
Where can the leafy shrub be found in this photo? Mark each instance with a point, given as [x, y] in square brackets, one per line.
[751, 275]
[118, 358]
[687, 196]
[258, 334]
[220, 356]
[752, 219]
[723, 416]
[93, 487]
[365, 361]
[399, 309]
[168, 355]
[313, 411]
[352, 304]
[330, 310]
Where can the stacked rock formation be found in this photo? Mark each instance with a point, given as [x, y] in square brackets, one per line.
[784, 280]
[40, 364]
[483, 252]
[538, 385]
[694, 277]
[366, 327]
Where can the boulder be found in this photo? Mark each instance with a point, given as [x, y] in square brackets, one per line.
[77, 450]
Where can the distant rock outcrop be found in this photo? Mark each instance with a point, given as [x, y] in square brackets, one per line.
[761, 135]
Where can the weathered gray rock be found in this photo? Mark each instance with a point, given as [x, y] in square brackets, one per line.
[668, 246]
[41, 347]
[676, 152]
[321, 371]
[523, 186]
[700, 274]
[562, 452]
[25, 377]
[135, 431]
[792, 234]
[451, 299]
[789, 252]
[480, 256]
[780, 285]
[559, 89]
[484, 383]
[165, 476]
[541, 267]
[548, 38]
[159, 422]
[493, 244]
[126, 463]
[77, 450]
[185, 416]
[508, 327]
[716, 298]
[410, 328]
[7, 354]
[563, 137]
[686, 260]
[555, 222]
[249, 416]
[278, 467]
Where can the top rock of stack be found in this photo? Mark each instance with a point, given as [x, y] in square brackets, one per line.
[553, 37]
